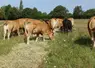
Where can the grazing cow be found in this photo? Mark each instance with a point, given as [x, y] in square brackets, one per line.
[67, 25]
[37, 27]
[91, 28]
[55, 23]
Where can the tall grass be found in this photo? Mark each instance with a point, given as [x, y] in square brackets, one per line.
[71, 50]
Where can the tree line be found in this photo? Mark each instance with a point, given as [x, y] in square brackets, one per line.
[9, 12]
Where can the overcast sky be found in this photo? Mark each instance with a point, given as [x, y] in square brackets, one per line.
[48, 5]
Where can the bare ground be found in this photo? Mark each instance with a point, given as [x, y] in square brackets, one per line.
[25, 56]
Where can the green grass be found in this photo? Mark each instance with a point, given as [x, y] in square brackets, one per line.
[71, 50]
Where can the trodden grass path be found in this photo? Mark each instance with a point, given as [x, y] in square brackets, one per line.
[24, 56]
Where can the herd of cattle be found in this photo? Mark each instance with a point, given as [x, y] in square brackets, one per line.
[44, 27]
[37, 27]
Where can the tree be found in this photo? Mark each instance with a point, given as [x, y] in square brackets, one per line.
[6, 10]
[59, 11]
[78, 12]
[89, 13]
[1, 13]
[13, 13]
[69, 15]
[21, 5]
[27, 13]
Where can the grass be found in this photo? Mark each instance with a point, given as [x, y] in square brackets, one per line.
[71, 50]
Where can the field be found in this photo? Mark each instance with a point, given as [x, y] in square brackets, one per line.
[72, 50]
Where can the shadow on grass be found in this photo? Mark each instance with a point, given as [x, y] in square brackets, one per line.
[84, 41]
[34, 39]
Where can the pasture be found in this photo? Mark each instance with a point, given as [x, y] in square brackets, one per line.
[72, 50]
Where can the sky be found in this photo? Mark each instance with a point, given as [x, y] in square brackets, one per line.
[49, 5]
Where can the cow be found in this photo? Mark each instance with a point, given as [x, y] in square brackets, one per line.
[37, 27]
[91, 29]
[58, 22]
[55, 23]
[72, 21]
[9, 27]
[13, 25]
[67, 25]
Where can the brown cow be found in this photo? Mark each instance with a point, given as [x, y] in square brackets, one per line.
[91, 28]
[37, 27]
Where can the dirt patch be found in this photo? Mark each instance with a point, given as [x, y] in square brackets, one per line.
[24, 56]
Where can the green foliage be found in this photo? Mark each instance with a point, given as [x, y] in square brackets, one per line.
[1, 13]
[59, 11]
[21, 5]
[78, 12]
[89, 13]
[9, 12]
[14, 13]
[6, 10]
[27, 13]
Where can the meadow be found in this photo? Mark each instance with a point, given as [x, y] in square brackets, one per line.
[72, 50]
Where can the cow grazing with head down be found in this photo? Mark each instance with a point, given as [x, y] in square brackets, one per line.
[67, 25]
[38, 27]
[91, 29]
[55, 23]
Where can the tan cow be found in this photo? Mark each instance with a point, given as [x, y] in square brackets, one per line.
[91, 28]
[56, 23]
[13, 25]
[10, 26]
[37, 27]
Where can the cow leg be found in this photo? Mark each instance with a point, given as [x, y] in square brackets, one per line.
[37, 37]
[28, 37]
[18, 32]
[43, 37]
[5, 32]
[92, 35]
[93, 38]
[94, 44]
[9, 32]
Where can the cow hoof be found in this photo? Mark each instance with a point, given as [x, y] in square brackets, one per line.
[27, 43]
